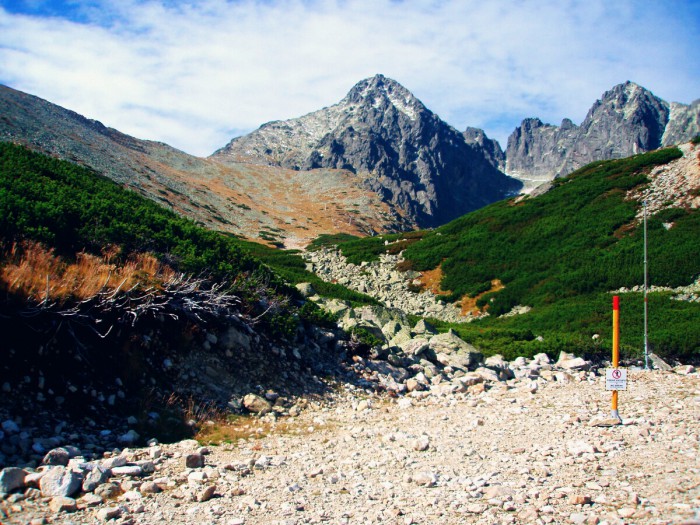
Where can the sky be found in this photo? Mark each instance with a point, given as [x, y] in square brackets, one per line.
[195, 74]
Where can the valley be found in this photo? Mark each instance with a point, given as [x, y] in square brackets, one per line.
[374, 373]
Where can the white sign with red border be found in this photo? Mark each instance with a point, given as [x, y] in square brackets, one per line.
[615, 379]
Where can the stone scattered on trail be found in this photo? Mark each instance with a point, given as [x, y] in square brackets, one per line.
[108, 490]
[440, 455]
[206, 494]
[60, 481]
[605, 422]
[256, 404]
[57, 456]
[578, 448]
[194, 460]
[128, 470]
[424, 478]
[62, 504]
[150, 487]
[115, 461]
[11, 478]
[421, 444]
[109, 513]
[684, 369]
[90, 500]
[95, 477]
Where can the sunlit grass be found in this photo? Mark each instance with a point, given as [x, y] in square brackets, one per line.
[34, 272]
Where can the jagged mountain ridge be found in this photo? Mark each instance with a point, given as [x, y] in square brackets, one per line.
[417, 162]
[377, 161]
[627, 120]
[491, 148]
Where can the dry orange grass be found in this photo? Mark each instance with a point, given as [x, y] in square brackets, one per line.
[430, 280]
[468, 304]
[36, 273]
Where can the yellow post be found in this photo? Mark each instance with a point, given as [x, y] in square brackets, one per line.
[616, 350]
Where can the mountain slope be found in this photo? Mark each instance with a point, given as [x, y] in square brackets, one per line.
[557, 256]
[381, 132]
[253, 201]
[628, 119]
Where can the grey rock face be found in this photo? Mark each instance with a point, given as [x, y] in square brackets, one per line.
[627, 120]
[683, 123]
[537, 152]
[405, 153]
[490, 148]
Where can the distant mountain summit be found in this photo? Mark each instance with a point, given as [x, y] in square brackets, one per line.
[379, 130]
[627, 120]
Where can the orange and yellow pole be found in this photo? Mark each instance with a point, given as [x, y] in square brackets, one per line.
[615, 349]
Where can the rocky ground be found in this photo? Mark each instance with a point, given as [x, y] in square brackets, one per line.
[531, 449]
[381, 280]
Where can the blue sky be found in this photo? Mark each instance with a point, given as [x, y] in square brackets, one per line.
[195, 74]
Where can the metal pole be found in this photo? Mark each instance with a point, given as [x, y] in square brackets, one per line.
[646, 303]
[616, 351]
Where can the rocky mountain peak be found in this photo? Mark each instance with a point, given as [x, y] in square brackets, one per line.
[628, 119]
[379, 91]
[490, 147]
[398, 148]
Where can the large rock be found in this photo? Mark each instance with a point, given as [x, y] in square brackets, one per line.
[306, 289]
[414, 348]
[11, 478]
[57, 456]
[60, 481]
[423, 327]
[402, 337]
[458, 351]
[570, 362]
[397, 373]
[659, 363]
[95, 477]
[256, 404]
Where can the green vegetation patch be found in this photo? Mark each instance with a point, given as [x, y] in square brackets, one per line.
[570, 324]
[72, 209]
[291, 267]
[561, 253]
[580, 237]
[368, 249]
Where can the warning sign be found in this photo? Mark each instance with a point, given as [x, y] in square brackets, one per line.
[615, 379]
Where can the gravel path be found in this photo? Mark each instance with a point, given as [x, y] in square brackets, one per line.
[520, 452]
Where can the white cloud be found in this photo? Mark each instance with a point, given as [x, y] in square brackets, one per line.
[194, 74]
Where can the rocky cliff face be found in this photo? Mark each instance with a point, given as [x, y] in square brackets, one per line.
[627, 120]
[490, 147]
[405, 153]
[683, 123]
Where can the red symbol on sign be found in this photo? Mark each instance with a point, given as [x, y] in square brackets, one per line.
[617, 374]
